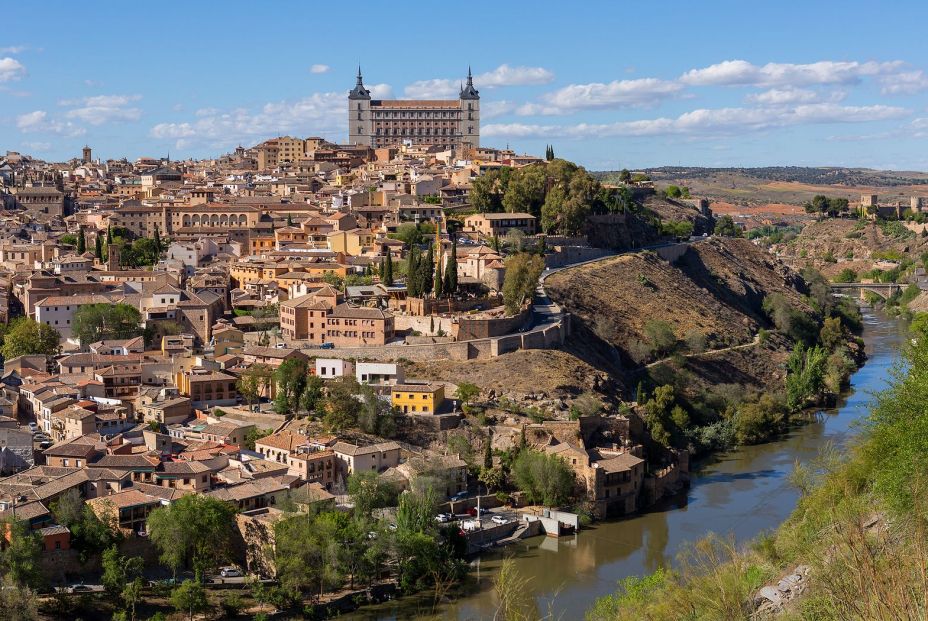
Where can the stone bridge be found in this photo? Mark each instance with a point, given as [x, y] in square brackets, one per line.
[884, 290]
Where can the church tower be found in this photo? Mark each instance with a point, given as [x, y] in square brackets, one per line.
[86, 155]
[470, 113]
[360, 123]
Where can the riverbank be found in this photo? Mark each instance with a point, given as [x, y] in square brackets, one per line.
[742, 492]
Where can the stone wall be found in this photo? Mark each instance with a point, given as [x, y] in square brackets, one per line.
[486, 327]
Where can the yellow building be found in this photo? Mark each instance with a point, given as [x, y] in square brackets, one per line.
[418, 398]
[352, 243]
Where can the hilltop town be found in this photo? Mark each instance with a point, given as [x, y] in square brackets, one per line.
[412, 331]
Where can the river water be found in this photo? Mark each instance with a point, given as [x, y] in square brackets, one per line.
[740, 493]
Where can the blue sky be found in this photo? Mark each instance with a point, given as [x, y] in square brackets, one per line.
[610, 84]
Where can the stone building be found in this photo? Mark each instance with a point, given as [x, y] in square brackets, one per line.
[445, 123]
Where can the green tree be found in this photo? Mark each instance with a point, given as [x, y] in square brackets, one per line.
[132, 596]
[98, 322]
[525, 192]
[194, 530]
[98, 247]
[157, 240]
[522, 273]
[426, 272]
[19, 558]
[368, 492]
[26, 336]
[190, 598]
[661, 336]
[290, 378]
[341, 403]
[312, 393]
[119, 570]
[81, 241]
[388, 271]
[409, 233]
[846, 275]
[544, 479]
[466, 393]
[726, 227]
[439, 281]
[375, 415]
[412, 273]
[625, 176]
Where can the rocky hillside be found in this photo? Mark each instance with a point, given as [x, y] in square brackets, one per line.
[703, 314]
[832, 245]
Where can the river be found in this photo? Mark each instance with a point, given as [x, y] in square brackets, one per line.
[742, 493]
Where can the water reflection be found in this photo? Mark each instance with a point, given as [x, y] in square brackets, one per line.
[741, 493]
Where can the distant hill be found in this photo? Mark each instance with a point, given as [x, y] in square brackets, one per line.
[797, 174]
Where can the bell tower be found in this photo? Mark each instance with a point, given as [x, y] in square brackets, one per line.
[360, 124]
[470, 113]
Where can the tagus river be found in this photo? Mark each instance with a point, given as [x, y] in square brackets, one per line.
[741, 493]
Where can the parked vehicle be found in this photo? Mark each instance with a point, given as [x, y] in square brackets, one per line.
[327, 346]
[460, 496]
[33, 427]
[473, 512]
[499, 519]
[80, 587]
[444, 518]
[468, 525]
[230, 572]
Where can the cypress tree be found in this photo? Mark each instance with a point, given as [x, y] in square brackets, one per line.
[109, 235]
[388, 271]
[451, 270]
[426, 269]
[495, 243]
[438, 286]
[81, 242]
[157, 238]
[289, 220]
[488, 452]
[412, 273]
[98, 247]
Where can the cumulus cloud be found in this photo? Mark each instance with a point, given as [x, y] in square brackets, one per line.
[743, 73]
[380, 91]
[102, 109]
[11, 69]
[644, 92]
[720, 121]
[504, 75]
[319, 68]
[788, 96]
[437, 88]
[320, 113]
[494, 109]
[904, 83]
[38, 121]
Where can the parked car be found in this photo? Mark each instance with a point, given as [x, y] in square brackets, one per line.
[499, 519]
[33, 427]
[80, 587]
[460, 496]
[473, 512]
[230, 572]
[44, 444]
[444, 518]
[281, 346]
[327, 346]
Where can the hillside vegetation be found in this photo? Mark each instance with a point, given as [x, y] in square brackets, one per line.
[858, 534]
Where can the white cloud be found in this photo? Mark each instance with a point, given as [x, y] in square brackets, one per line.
[437, 88]
[11, 69]
[788, 96]
[504, 75]
[102, 109]
[743, 73]
[13, 49]
[31, 120]
[644, 92]
[706, 122]
[320, 113]
[37, 146]
[904, 83]
[381, 91]
[37, 121]
[319, 68]
[93, 83]
[493, 109]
